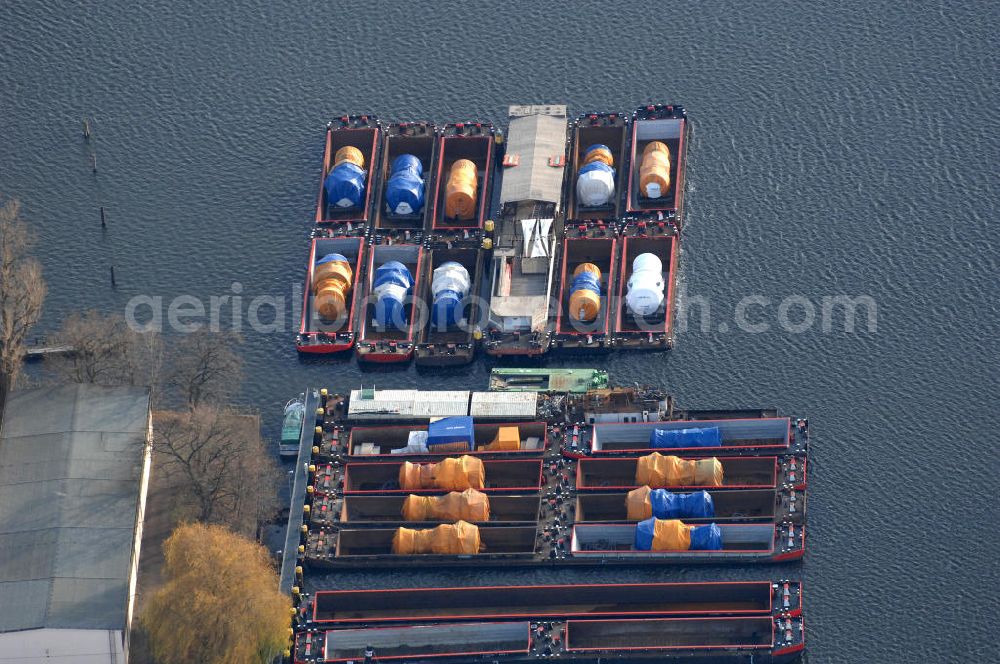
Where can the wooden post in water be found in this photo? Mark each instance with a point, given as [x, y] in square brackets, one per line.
[103, 222]
[113, 284]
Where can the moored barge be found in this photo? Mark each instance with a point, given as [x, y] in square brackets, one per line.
[597, 196]
[584, 311]
[644, 308]
[547, 380]
[388, 318]
[657, 196]
[463, 183]
[335, 331]
[406, 188]
[450, 298]
[349, 173]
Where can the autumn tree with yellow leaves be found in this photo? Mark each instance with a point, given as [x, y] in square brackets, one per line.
[220, 603]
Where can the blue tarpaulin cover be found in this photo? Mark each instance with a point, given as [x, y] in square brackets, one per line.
[706, 538]
[404, 193]
[668, 505]
[345, 185]
[451, 431]
[675, 438]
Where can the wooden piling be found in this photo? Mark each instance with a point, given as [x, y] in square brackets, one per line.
[113, 284]
[104, 223]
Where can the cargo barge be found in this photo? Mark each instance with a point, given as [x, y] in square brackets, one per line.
[525, 243]
[388, 312]
[657, 196]
[583, 312]
[406, 185]
[653, 622]
[577, 381]
[644, 308]
[462, 183]
[598, 162]
[450, 297]
[352, 149]
[334, 332]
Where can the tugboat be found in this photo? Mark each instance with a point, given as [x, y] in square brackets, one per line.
[291, 427]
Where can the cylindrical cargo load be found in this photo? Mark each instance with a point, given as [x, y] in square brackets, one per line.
[391, 287]
[658, 470]
[404, 193]
[680, 438]
[587, 267]
[469, 505]
[452, 474]
[331, 300]
[349, 154]
[674, 535]
[459, 538]
[595, 184]
[643, 503]
[654, 172]
[345, 185]
[598, 152]
[645, 285]
[585, 297]
[460, 190]
[450, 285]
[333, 266]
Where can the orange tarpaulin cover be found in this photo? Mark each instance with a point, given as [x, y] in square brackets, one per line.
[671, 535]
[658, 471]
[457, 538]
[508, 438]
[453, 474]
[637, 504]
[469, 505]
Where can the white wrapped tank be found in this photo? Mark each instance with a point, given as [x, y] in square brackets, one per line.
[645, 285]
[449, 286]
[595, 181]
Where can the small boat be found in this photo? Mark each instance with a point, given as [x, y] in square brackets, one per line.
[316, 333]
[576, 381]
[586, 326]
[388, 334]
[459, 216]
[402, 223]
[637, 328]
[667, 124]
[350, 215]
[607, 130]
[448, 339]
[291, 427]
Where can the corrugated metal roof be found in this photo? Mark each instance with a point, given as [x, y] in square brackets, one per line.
[408, 404]
[515, 405]
[536, 134]
[70, 470]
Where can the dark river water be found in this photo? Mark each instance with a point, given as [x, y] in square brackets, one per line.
[840, 148]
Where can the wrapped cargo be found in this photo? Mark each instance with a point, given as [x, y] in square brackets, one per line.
[654, 171]
[680, 438]
[391, 286]
[345, 184]
[404, 192]
[658, 470]
[674, 535]
[469, 505]
[452, 474]
[448, 539]
[643, 503]
[645, 285]
[598, 152]
[451, 434]
[450, 286]
[507, 439]
[332, 281]
[460, 190]
[585, 295]
[595, 184]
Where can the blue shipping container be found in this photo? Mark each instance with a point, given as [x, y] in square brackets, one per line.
[451, 431]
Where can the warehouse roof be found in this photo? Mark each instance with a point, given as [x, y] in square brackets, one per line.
[71, 461]
[536, 135]
[406, 404]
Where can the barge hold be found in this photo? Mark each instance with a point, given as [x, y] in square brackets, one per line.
[626, 622]
[586, 295]
[547, 380]
[524, 244]
[406, 187]
[657, 193]
[644, 307]
[349, 174]
[317, 333]
[451, 298]
[598, 162]
[387, 311]
[463, 183]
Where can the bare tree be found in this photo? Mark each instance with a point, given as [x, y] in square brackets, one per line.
[205, 368]
[106, 351]
[217, 463]
[22, 292]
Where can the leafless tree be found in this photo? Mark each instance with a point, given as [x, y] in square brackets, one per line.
[216, 461]
[205, 367]
[22, 292]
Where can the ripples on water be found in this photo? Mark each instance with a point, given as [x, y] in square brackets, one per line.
[848, 149]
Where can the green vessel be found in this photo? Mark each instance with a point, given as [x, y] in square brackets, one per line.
[291, 427]
[548, 380]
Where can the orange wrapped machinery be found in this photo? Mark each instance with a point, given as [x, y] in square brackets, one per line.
[351, 155]
[658, 470]
[507, 439]
[469, 505]
[460, 191]
[452, 474]
[457, 538]
[332, 281]
[585, 292]
[654, 172]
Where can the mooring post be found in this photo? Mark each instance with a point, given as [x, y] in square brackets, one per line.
[104, 223]
[93, 161]
[113, 284]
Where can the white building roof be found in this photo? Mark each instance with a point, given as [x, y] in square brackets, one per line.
[496, 405]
